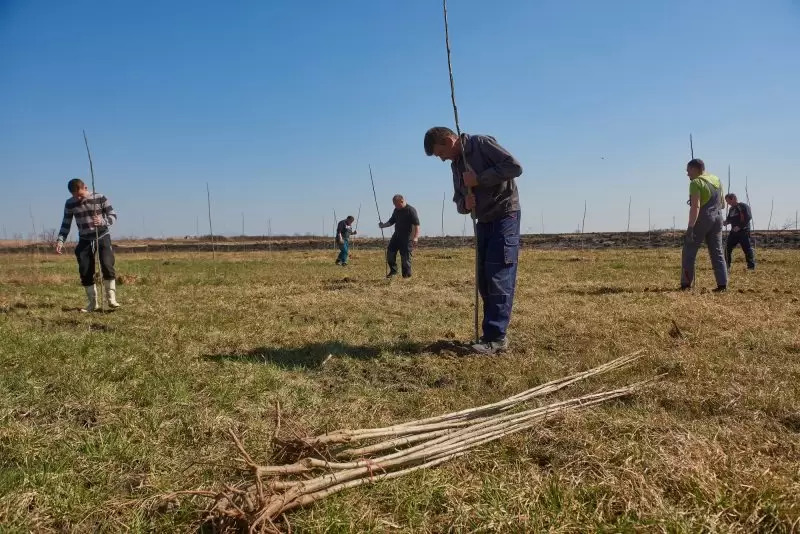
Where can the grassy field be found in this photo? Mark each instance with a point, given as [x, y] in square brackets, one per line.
[100, 414]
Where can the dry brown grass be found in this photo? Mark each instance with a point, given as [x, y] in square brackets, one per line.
[101, 414]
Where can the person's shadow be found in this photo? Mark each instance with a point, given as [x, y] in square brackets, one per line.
[607, 290]
[313, 355]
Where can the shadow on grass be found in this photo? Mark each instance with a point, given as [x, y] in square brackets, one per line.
[25, 306]
[309, 356]
[606, 290]
[78, 309]
[315, 355]
[350, 283]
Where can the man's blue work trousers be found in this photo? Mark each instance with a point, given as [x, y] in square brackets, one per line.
[498, 253]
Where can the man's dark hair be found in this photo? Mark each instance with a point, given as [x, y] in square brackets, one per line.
[75, 184]
[731, 197]
[435, 136]
[698, 164]
[351, 218]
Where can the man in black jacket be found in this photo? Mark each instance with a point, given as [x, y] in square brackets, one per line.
[405, 237]
[739, 217]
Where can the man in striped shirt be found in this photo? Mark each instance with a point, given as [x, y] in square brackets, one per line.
[93, 216]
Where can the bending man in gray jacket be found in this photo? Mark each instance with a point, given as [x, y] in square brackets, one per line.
[483, 181]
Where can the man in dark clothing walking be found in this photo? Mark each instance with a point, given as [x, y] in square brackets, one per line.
[739, 217]
[405, 237]
[343, 232]
[484, 183]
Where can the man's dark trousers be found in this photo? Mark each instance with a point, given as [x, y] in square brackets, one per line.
[403, 246]
[84, 253]
[498, 253]
[742, 237]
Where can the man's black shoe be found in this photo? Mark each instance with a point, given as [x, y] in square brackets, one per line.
[490, 347]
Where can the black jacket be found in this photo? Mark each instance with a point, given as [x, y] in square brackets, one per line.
[739, 216]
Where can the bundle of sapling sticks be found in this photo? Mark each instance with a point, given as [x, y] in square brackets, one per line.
[393, 451]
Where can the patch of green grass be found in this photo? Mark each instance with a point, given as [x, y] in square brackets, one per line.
[100, 414]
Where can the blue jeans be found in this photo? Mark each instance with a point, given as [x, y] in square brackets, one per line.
[344, 250]
[498, 254]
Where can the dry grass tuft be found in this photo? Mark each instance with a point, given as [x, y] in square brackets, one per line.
[127, 279]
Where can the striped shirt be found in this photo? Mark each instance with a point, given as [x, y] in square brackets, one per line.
[83, 210]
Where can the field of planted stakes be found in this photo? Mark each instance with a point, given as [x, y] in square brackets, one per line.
[106, 418]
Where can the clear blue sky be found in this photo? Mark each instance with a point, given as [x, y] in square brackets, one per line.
[281, 106]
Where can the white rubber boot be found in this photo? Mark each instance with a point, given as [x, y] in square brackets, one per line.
[111, 294]
[91, 298]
